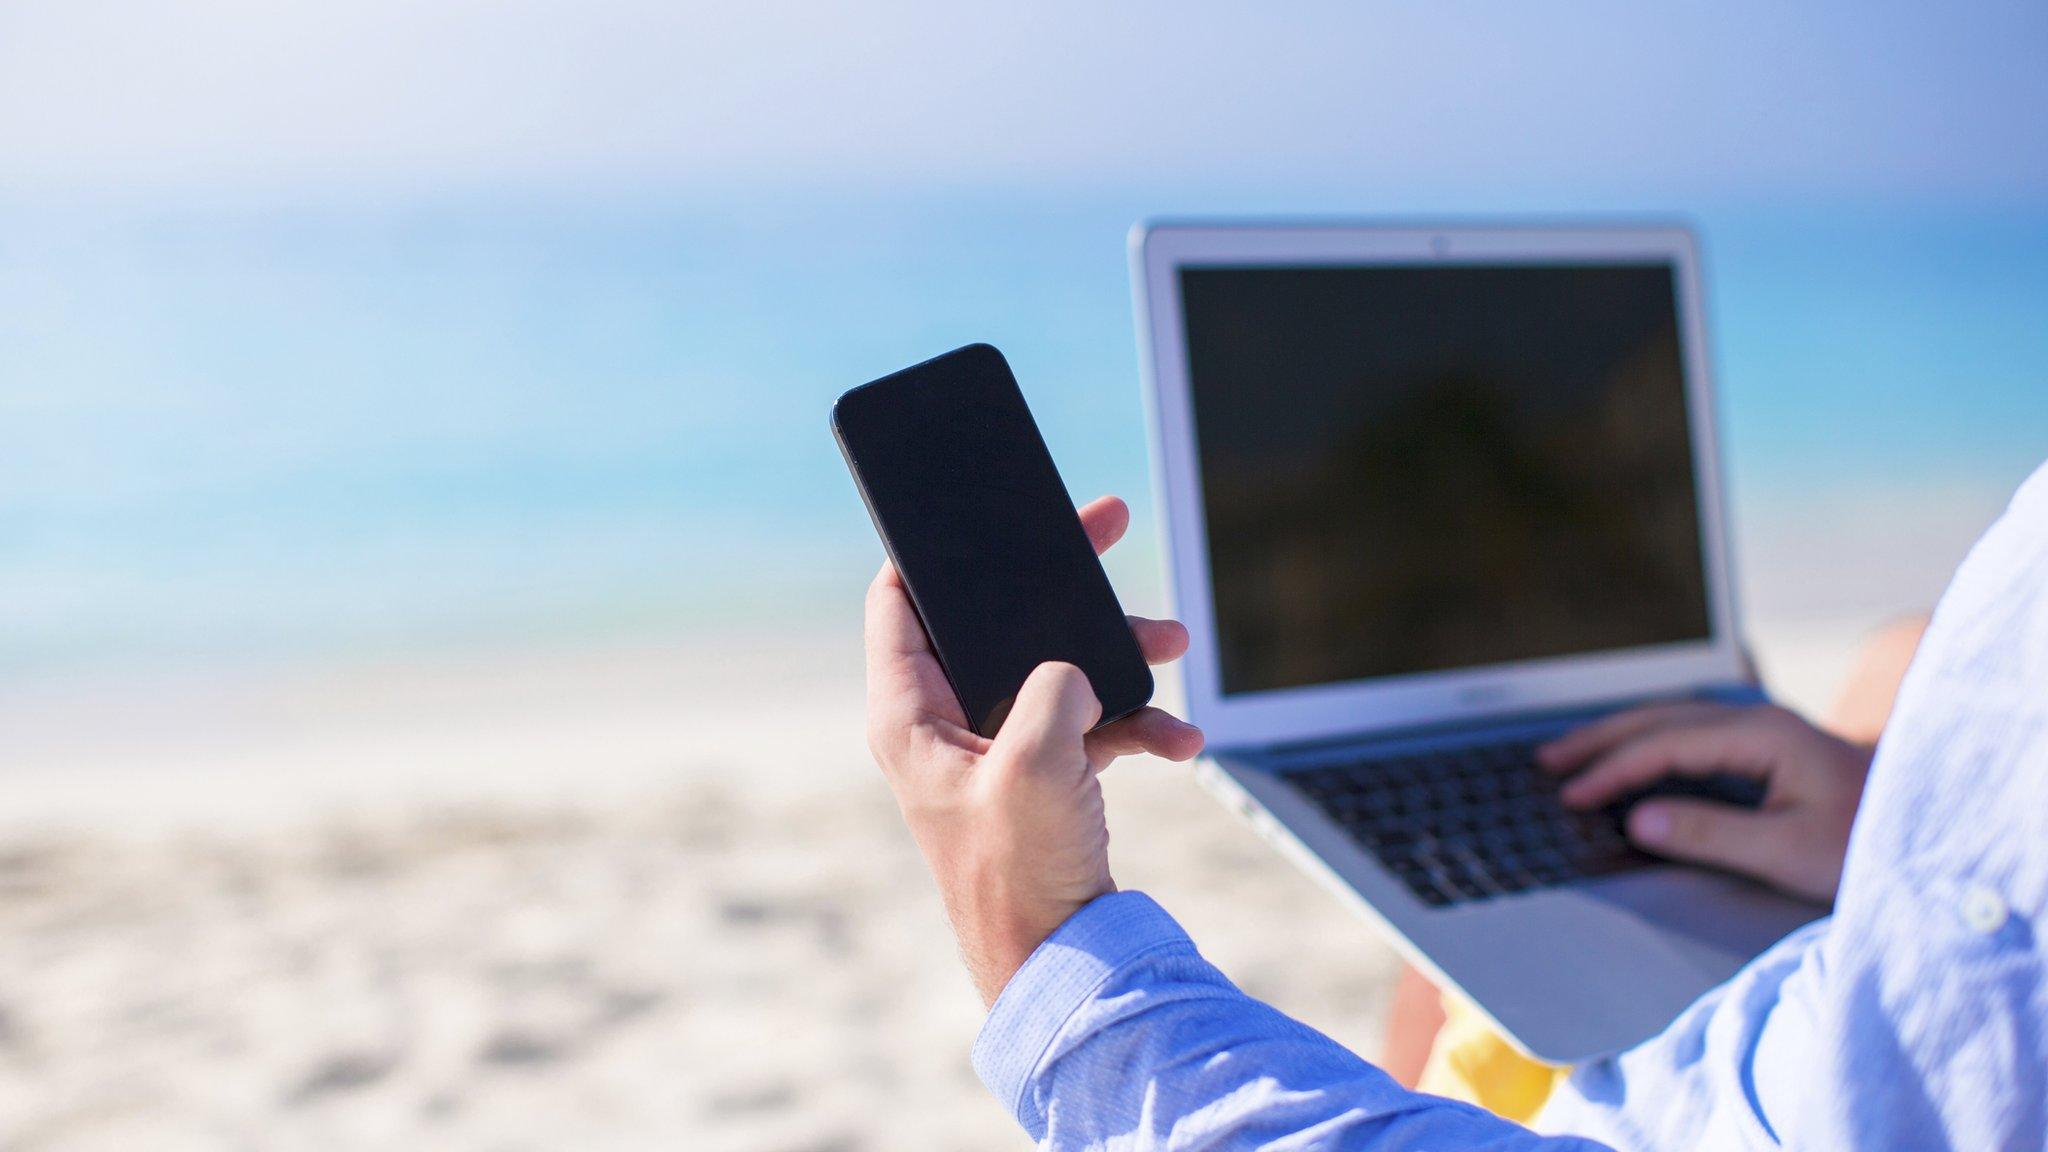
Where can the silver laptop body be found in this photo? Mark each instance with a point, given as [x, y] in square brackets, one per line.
[1430, 496]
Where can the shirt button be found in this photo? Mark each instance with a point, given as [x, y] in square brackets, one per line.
[1983, 910]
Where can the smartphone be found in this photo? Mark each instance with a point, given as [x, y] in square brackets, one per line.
[978, 523]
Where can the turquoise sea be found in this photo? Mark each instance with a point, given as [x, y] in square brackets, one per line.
[259, 428]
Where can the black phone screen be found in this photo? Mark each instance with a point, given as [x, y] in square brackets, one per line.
[977, 521]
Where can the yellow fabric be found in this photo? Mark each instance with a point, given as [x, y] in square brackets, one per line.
[1473, 1063]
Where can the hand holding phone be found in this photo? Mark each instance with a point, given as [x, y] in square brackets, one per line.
[973, 514]
[1014, 828]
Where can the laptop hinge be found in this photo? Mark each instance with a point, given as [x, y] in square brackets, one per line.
[1740, 693]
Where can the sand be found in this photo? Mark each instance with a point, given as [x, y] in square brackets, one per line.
[606, 896]
[596, 899]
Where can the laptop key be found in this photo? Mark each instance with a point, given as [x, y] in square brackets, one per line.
[1468, 824]
[1430, 894]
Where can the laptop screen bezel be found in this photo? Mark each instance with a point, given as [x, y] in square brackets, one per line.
[1361, 707]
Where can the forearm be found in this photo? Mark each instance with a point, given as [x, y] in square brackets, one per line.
[1117, 1031]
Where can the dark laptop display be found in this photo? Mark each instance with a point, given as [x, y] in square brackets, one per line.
[1412, 469]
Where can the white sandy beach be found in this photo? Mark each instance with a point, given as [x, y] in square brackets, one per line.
[625, 896]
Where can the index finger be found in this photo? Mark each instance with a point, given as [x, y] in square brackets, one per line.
[1576, 747]
[1739, 744]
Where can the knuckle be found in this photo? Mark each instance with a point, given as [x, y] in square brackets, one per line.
[879, 739]
[888, 734]
[1028, 747]
[882, 748]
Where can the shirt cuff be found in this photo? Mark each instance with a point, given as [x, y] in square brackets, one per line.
[1062, 974]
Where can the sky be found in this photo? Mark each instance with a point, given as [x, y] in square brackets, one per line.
[1883, 101]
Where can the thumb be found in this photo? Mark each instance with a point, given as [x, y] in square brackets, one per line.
[1054, 709]
[1704, 832]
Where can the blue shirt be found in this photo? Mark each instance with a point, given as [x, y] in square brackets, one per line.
[1915, 1017]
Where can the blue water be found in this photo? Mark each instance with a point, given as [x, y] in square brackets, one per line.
[268, 428]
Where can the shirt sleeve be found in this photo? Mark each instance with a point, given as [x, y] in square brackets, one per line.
[1117, 1033]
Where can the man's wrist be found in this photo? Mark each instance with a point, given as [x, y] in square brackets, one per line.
[997, 936]
[1001, 902]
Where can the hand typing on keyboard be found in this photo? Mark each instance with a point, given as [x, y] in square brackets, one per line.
[1794, 839]
[1468, 823]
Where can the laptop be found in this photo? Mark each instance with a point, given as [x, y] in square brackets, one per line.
[1431, 497]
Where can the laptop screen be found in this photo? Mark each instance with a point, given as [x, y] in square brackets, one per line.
[1411, 469]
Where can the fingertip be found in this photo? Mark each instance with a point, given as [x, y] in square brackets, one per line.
[1178, 632]
[1650, 824]
[1160, 640]
[1105, 519]
[1176, 739]
[1070, 687]
[1109, 502]
[1057, 677]
[1054, 705]
[1157, 733]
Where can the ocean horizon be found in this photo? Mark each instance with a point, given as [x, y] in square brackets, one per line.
[250, 428]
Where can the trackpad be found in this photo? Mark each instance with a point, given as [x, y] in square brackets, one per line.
[1722, 917]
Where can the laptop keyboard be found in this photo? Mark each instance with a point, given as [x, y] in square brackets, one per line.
[1469, 823]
